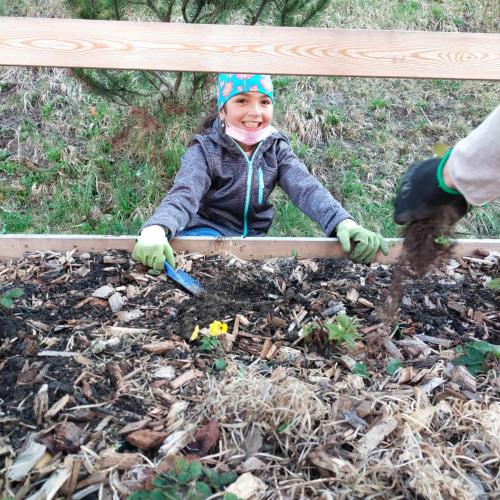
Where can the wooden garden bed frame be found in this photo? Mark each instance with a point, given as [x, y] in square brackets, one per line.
[14, 246]
[245, 49]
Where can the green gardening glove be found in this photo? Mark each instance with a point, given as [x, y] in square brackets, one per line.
[367, 243]
[152, 248]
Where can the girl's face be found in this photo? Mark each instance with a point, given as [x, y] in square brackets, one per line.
[248, 110]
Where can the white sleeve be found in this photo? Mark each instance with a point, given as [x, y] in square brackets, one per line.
[474, 163]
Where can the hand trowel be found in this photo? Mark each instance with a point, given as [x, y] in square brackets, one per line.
[184, 279]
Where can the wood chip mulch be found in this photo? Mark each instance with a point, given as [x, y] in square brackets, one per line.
[101, 385]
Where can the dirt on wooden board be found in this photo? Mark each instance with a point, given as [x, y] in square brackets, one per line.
[102, 385]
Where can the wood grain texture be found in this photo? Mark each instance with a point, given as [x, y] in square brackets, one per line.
[13, 246]
[257, 49]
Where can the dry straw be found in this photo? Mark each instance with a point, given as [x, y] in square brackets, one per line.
[412, 447]
[287, 412]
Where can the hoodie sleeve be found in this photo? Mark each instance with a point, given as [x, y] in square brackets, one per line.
[307, 192]
[183, 200]
[474, 162]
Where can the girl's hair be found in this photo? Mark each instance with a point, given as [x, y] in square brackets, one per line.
[206, 123]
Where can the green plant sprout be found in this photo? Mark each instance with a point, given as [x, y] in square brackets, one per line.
[393, 366]
[344, 330]
[361, 370]
[188, 481]
[477, 355]
[494, 284]
[220, 364]
[6, 298]
[209, 344]
[310, 327]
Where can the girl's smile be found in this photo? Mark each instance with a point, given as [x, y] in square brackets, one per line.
[251, 125]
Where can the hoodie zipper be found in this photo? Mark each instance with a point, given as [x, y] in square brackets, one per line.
[249, 185]
[261, 186]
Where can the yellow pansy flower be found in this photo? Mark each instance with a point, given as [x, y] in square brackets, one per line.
[196, 333]
[218, 328]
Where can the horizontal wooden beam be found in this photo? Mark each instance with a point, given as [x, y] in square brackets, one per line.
[249, 49]
[13, 246]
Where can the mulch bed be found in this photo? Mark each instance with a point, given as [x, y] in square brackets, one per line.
[101, 385]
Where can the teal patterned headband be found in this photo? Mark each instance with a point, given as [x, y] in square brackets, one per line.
[231, 84]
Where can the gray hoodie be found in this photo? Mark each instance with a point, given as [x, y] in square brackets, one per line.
[219, 186]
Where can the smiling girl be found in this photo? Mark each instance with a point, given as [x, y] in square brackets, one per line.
[228, 174]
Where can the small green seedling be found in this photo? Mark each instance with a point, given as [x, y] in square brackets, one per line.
[220, 364]
[476, 356]
[310, 327]
[6, 298]
[328, 335]
[209, 344]
[393, 366]
[345, 329]
[361, 370]
[188, 481]
[494, 285]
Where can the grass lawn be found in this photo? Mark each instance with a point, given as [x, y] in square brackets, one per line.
[72, 161]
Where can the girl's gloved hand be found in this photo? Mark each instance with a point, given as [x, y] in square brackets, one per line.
[367, 243]
[152, 248]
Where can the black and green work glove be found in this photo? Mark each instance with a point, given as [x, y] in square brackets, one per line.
[423, 193]
[366, 243]
[152, 248]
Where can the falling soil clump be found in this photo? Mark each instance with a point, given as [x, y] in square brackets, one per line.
[426, 243]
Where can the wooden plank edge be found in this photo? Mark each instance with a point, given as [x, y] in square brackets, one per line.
[14, 246]
[200, 47]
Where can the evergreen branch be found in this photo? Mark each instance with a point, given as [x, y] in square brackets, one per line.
[199, 8]
[314, 11]
[215, 14]
[120, 86]
[153, 7]
[163, 80]
[258, 13]
[117, 9]
[199, 82]
[163, 17]
[178, 81]
[97, 86]
[148, 75]
[183, 10]
[168, 15]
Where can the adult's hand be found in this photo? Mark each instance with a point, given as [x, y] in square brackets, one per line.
[366, 243]
[424, 193]
[152, 248]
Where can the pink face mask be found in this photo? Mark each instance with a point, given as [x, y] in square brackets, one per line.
[248, 137]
